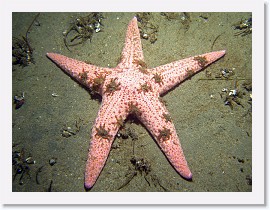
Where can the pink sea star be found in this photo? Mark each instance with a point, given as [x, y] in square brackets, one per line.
[128, 88]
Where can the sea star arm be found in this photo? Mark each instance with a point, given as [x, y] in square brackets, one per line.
[110, 118]
[157, 120]
[89, 75]
[172, 74]
[132, 54]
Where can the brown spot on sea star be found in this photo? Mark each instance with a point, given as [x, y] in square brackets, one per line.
[145, 87]
[112, 86]
[133, 109]
[97, 82]
[167, 117]
[158, 79]
[102, 132]
[202, 61]
[83, 76]
[164, 134]
[142, 65]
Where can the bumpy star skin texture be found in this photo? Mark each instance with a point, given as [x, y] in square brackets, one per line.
[132, 88]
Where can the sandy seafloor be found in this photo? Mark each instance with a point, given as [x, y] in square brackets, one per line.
[217, 141]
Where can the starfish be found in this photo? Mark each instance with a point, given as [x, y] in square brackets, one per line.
[132, 88]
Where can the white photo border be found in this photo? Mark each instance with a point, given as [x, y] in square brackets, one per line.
[257, 196]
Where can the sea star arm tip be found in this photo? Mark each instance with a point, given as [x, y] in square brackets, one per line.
[88, 75]
[158, 122]
[176, 72]
[110, 118]
[132, 50]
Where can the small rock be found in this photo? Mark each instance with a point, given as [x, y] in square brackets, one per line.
[52, 161]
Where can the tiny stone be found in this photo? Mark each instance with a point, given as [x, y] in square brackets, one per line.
[52, 161]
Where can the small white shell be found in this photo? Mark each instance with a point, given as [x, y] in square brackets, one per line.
[145, 35]
[54, 95]
[97, 25]
[233, 92]
[224, 90]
